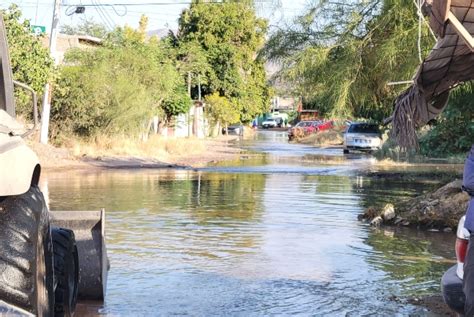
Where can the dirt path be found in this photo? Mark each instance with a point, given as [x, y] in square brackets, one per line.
[215, 150]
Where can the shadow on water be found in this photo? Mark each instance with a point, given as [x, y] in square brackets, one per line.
[271, 234]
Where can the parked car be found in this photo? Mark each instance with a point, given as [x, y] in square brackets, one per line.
[299, 129]
[451, 282]
[311, 127]
[325, 126]
[269, 123]
[234, 129]
[363, 137]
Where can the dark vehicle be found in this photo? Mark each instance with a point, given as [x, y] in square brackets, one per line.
[234, 129]
[363, 137]
[40, 269]
[451, 282]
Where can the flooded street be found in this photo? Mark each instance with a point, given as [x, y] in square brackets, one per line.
[274, 234]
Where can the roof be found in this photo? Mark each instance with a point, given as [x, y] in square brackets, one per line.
[450, 63]
[89, 39]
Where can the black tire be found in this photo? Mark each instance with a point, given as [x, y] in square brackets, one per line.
[66, 271]
[26, 258]
[345, 151]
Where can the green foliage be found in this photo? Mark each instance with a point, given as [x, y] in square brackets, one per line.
[86, 27]
[179, 102]
[340, 56]
[115, 88]
[221, 43]
[453, 133]
[31, 62]
[222, 110]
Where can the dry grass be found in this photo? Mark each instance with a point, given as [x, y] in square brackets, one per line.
[155, 147]
[324, 138]
[389, 162]
[113, 152]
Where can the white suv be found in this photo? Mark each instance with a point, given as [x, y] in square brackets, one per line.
[362, 137]
[269, 123]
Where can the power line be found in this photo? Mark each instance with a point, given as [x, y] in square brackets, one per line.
[153, 3]
[103, 18]
[106, 15]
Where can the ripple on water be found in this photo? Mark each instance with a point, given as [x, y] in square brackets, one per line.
[265, 240]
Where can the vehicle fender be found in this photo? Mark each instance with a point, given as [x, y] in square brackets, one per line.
[19, 166]
[468, 175]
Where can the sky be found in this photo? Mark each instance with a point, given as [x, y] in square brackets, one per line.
[161, 13]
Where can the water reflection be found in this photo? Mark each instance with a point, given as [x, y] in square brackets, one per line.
[416, 259]
[226, 242]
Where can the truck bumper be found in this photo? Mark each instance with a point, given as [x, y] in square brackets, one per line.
[10, 310]
[361, 148]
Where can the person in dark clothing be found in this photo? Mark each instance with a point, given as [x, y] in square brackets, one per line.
[468, 278]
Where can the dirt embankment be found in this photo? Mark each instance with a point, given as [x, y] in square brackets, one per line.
[323, 138]
[159, 153]
[440, 209]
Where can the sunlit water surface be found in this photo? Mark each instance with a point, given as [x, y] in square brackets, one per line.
[277, 234]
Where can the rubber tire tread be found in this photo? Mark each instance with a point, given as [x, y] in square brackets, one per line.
[24, 219]
[65, 264]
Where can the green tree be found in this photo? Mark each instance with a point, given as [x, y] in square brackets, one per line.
[227, 37]
[340, 55]
[87, 27]
[31, 62]
[117, 87]
[453, 132]
[221, 110]
[179, 102]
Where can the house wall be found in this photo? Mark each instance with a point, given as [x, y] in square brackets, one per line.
[192, 123]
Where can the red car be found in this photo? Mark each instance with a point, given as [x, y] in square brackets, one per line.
[304, 128]
[325, 126]
[299, 130]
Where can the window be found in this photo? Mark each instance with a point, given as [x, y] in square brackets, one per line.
[363, 128]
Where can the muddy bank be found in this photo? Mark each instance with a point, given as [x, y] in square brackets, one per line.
[213, 150]
[434, 304]
[439, 209]
[439, 174]
[324, 138]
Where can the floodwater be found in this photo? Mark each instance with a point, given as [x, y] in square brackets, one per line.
[275, 234]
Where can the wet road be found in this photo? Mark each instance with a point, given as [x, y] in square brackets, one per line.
[275, 234]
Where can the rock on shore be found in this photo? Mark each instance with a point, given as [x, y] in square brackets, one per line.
[440, 209]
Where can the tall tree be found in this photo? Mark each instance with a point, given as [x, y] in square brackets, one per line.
[229, 36]
[117, 87]
[340, 55]
[86, 27]
[31, 62]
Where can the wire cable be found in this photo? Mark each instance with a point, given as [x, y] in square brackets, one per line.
[104, 20]
[106, 14]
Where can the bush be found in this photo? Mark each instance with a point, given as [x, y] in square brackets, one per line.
[31, 62]
[177, 103]
[453, 132]
[116, 89]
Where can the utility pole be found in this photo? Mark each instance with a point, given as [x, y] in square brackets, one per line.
[188, 115]
[47, 88]
[197, 109]
[199, 87]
